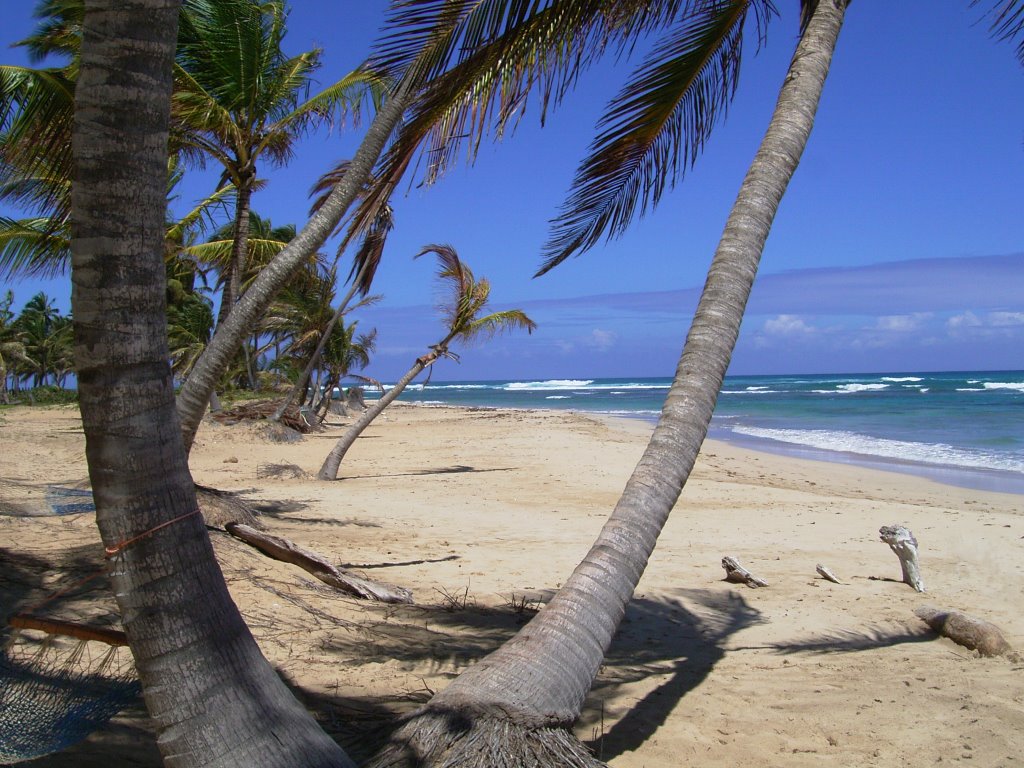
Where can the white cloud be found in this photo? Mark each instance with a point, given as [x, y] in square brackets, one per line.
[963, 320]
[601, 340]
[900, 323]
[1002, 319]
[787, 325]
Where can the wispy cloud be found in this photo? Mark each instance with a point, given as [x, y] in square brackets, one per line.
[924, 314]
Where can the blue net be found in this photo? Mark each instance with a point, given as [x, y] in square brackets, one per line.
[54, 698]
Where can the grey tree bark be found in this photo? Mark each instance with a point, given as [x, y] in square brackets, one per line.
[214, 699]
[329, 469]
[520, 700]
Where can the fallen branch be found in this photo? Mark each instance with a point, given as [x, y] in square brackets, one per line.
[737, 573]
[316, 564]
[975, 634]
[826, 574]
[903, 543]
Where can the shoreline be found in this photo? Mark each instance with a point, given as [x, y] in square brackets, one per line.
[969, 478]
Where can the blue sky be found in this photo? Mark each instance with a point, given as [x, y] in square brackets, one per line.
[899, 245]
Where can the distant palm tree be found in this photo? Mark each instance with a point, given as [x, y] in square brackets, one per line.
[46, 337]
[467, 298]
[239, 99]
[345, 352]
[11, 349]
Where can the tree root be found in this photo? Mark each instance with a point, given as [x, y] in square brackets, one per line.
[436, 737]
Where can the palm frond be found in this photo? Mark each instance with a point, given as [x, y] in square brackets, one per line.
[1007, 22]
[33, 248]
[497, 323]
[653, 130]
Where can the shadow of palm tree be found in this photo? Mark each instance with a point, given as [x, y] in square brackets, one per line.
[684, 636]
[452, 470]
[847, 641]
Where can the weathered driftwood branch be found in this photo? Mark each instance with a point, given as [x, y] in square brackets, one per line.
[975, 634]
[316, 564]
[737, 573]
[903, 543]
[826, 574]
[68, 629]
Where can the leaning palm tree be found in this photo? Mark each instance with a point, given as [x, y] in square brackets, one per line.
[466, 298]
[520, 702]
[239, 99]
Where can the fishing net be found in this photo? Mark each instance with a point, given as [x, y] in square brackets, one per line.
[55, 690]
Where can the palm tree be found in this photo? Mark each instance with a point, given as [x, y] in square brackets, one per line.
[344, 352]
[35, 144]
[44, 333]
[11, 349]
[519, 702]
[467, 298]
[240, 99]
[210, 692]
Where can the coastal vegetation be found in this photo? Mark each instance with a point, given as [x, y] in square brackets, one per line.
[211, 694]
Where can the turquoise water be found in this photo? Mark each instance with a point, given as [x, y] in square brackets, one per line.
[965, 428]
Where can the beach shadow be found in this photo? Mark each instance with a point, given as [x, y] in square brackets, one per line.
[683, 637]
[848, 641]
[453, 470]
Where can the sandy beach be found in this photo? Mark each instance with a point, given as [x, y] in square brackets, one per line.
[482, 514]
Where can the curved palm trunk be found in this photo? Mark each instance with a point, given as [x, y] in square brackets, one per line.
[521, 699]
[195, 393]
[213, 697]
[329, 469]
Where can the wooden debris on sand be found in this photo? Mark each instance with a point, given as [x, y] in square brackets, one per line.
[903, 543]
[968, 631]
[826, 574]
[737, 573]
[298, 419]
[318, 565]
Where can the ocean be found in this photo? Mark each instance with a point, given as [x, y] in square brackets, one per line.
[962, 428]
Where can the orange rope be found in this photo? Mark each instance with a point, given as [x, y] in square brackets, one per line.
[121, 546]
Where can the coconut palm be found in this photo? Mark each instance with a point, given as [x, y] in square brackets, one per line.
[466, 299]
[11, 349]
[211, 694]
[345, 352]
[521, 701]
[239, 99]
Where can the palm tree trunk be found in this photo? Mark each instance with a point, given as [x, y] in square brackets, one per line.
[239, 247]
[329, 469]
[195, 393]
[522, 698]
[303, 383]
[212, 696]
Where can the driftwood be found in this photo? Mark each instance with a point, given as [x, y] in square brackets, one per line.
[826, 574]
[965, 630]
[316, 564]
[737, 573]
[903, 543]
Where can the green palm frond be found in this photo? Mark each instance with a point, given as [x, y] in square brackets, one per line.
[33, 248]
[36, 107]
[653, 130]
[59, 30]
[497, 323]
